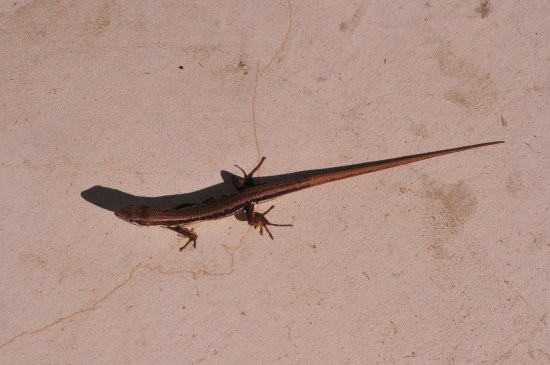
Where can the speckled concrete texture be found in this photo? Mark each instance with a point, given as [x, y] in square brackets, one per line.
[446, 261]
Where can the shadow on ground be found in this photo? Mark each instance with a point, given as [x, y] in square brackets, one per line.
[114, 199]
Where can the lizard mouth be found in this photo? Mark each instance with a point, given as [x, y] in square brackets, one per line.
[121, 214]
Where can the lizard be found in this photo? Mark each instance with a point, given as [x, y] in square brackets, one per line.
[249, 193]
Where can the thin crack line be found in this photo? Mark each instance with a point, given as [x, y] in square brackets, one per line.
[499, 273]
[522, 340]
[285, 38]
[259, 69]
[254, 121]
[231, 251]
[75, 313]
[158, 268]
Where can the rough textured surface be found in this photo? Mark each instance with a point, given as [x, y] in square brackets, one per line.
[444, 261]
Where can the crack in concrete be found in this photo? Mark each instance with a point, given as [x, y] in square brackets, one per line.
[254, 121]
[285, 38]
[525, 339]
[498, 272]
[289, 335]
[355, 19]
[541, 321]
[93, 307]
[260, 70]
[540, 318]
[158, 268]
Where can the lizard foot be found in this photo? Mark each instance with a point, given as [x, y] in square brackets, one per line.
[261, 221]
[185, 232]
[246, 181]
[192, 238]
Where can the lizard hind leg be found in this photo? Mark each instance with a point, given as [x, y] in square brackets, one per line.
[186, 232]
[256, 220]
[246, 181]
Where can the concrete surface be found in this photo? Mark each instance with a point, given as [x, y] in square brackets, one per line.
[446, 261]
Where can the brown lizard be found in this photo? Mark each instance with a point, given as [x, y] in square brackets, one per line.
[250, 193]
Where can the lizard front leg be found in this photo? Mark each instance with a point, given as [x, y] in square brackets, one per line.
[256, 220]
[246, 181]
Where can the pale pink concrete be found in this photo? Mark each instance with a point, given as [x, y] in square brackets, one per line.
[444, 261]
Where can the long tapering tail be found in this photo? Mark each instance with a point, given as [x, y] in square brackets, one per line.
[344, 172]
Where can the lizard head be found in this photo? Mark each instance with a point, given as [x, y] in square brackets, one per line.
[135, 214]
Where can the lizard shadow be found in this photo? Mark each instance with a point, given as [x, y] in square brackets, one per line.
[114, 199]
